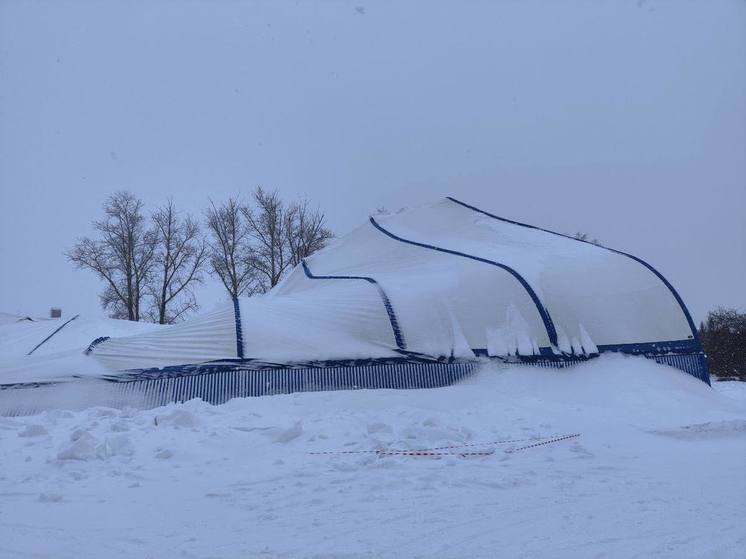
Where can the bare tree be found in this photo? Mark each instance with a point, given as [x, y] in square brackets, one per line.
[723, 337]
[252, 246]
[228, 248]
[270, 253]
[122, 256]
[179, 258]
[305, 231]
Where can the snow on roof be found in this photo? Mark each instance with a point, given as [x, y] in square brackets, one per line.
[442, 280]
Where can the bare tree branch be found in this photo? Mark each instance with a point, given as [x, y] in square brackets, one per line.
[122, 256]
[228, 248]
[180, 256]
[305, 231]
[270, 254]
[253, 246]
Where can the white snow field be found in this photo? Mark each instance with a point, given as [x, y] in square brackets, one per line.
[659, 470]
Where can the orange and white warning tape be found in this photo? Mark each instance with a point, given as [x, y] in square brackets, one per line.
[382, 450]
[555, 440]
[489, 443]
[465, 454]
[437, 450]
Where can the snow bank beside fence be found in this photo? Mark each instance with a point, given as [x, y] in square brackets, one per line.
[657, 470]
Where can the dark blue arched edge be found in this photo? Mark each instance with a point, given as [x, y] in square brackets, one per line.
[52, 334]
[398, 336]
[239, 330]
[678, 298]
[94, 343]
[546, 319]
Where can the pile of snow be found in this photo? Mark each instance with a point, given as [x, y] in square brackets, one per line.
[63, 351]
[9, 318]
[658, 470]
[19, 337]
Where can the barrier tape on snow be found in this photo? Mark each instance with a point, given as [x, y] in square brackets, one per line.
[550, 441]
[466, 454]
[435, 451]
[490, 443]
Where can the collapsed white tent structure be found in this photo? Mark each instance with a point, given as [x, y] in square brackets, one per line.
[413, 300]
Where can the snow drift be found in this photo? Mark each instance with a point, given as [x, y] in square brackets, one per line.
[656, 472]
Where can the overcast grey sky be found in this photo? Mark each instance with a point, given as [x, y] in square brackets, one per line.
[623, 119]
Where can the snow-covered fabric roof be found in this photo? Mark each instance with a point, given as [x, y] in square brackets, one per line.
[446, 279]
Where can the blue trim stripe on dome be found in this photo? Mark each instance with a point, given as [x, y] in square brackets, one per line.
[94, 343]
[543, 312]
[660, 276]
[239, 329]
[52, 334]
[398, 335]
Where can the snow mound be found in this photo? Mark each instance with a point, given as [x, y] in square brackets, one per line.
[656, 471]
[704, 431]
[84, 446]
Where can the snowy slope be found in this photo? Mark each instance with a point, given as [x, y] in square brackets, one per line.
[8, 318]
[17, 339]
[62, 354]
[658, 471]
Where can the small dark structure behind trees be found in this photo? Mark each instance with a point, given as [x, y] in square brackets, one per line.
[150, 264]
[723, 336]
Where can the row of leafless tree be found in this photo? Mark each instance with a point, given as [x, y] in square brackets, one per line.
[150, 264]
[723, 336]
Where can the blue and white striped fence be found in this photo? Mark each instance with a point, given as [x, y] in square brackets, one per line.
[218, 382]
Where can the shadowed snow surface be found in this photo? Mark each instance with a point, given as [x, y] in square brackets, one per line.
[658, 471]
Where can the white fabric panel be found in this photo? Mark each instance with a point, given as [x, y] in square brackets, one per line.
[18, 338]
[590, 292]
[444, 303]
[206, 337]
[329, 319]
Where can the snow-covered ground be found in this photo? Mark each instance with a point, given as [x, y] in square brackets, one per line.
[659, 470]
